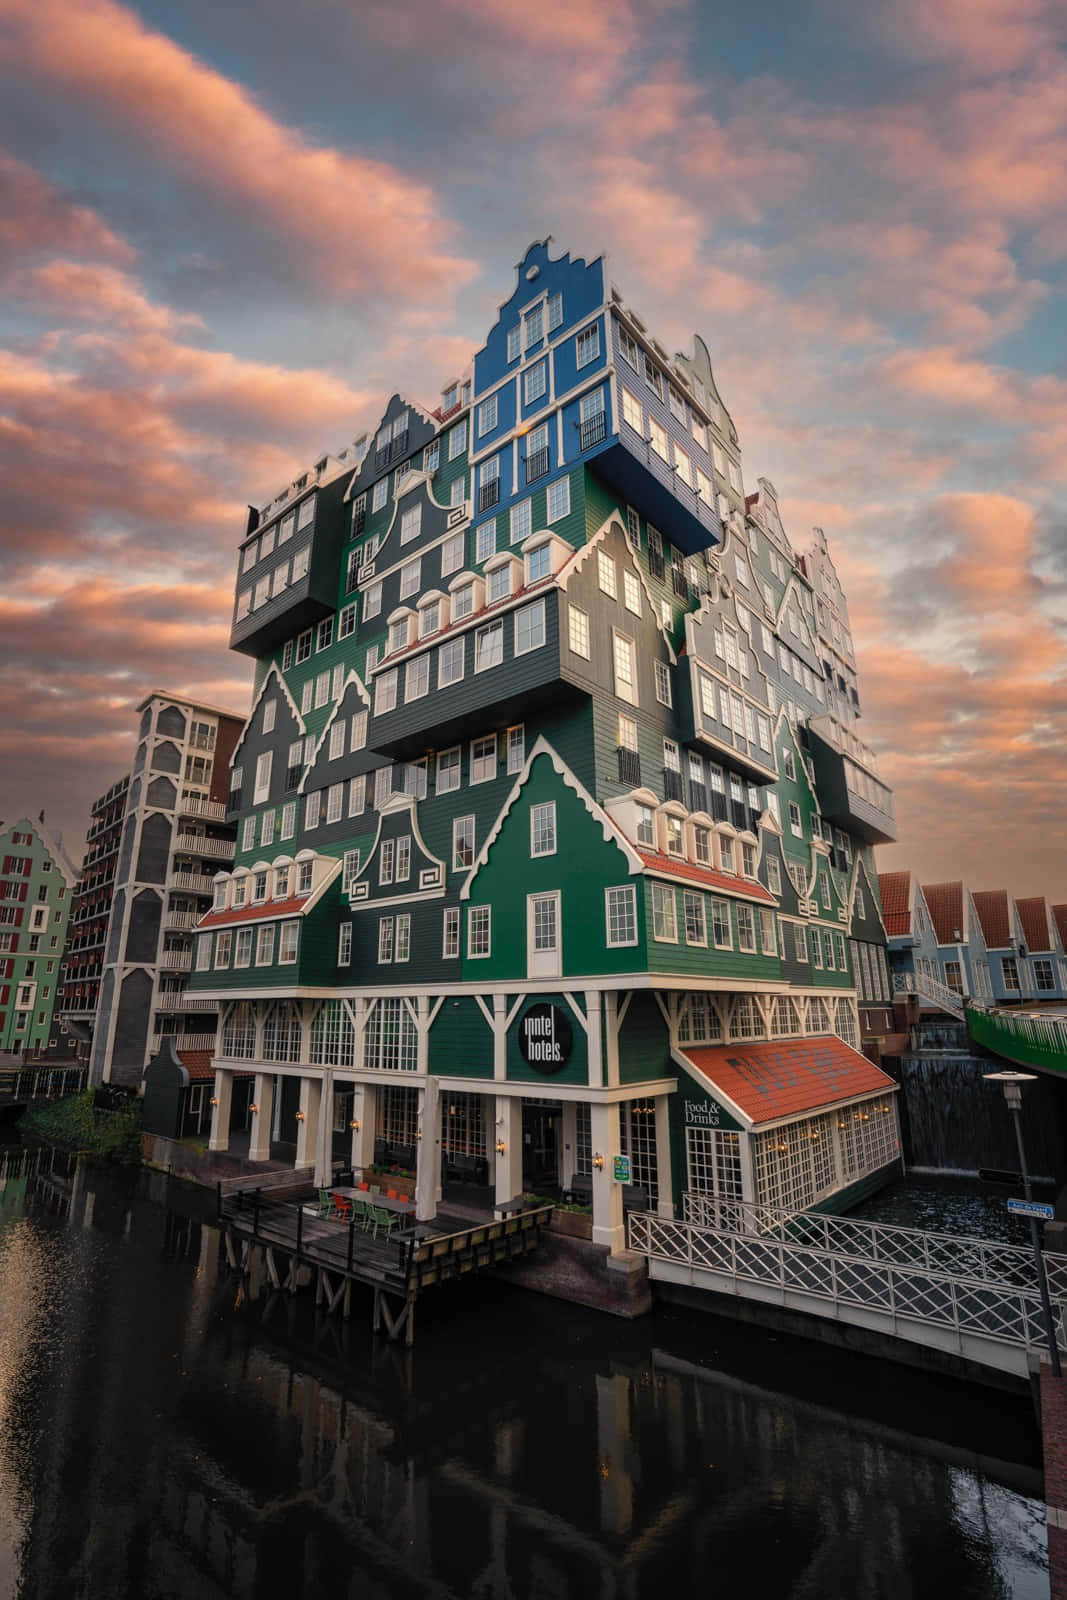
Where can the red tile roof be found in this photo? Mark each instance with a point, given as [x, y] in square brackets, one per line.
[1033, 919]
[895, 890]
[785, 1077]
[944, 901]
[992, 908]
[706, 877]
[259, 913]
[1059, 914]
[197, 1064]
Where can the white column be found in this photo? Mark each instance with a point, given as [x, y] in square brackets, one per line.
[593, 1037]
[748, 1169]
[220, 1111]
[509, 1159]
[324, 1143]
[611, 1038]
[500, 1036]
[365, 1112]
[489, 1137]
[259, 1137]
[607, 1195]
[664, 1175]
[569, 1155]
[428, 1157]
[307, 1130]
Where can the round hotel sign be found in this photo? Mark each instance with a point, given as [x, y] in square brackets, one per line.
[545, 1038]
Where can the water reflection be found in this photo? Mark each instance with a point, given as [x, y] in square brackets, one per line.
[165, 1433]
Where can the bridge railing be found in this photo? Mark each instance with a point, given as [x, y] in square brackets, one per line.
[939, 994]
[959, 1255]
[1003, 1313]
[1028, 1037]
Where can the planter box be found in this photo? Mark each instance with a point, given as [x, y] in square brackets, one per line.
[403, 1186]
[573, 1224]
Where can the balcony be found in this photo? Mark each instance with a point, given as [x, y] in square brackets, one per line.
[175, 960]
[850, 796]
[185, 1041]
[680, 583]
[210, 810]
[193, 882]
[641, 476]
[195, 844]
[629, 767]
[186, 1002]
[489, 494]
[182, 920]
[537, 465]
[593, 431]
[673, 787]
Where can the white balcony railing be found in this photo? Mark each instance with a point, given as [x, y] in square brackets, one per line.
[183, 919]
[193, 806]
[185, 1041]
[175, 960]
[194, 882]
[927, 988]
[186, 1002]
[196, 844]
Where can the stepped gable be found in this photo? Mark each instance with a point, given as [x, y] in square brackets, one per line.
[784, 1078]
[944, 901]
[894, 888]
[1034, 921]
[995, 917]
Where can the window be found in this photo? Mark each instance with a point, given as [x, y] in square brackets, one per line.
[625, 676]
[555, 312]
[385, 939]
[514, 344]
[262, 788]
[403, 858]
[627, 733]
[1010, 971]
[458, 492]
[533, 327]
[243, 948]
[658, 438]
[450, 933]
[344, 944]
[489, 646]
[452, 554]
[462, 843]
[606, 573]
[794, 820]
[417, 678]
[487, 415]
[307, 695]
[535, 382]
[663, 683]
[789, 765]
[587, 345]
[769, 933]
[720, 925]
[500, 577]
[673, 832]
[483, 759]
[203, 952]
[450, 663]
[304, 874]
[633, 412]
[774, 874]
[379, 494]
[478, 931]
[543, 923]
[816, 947]
[385, 692]
[559, 499]
[337, 741]
[682, 466]
[529, 627]
[578, 631]
[448, 770]
[621, 916]
[402, 949]
[386, 860]
[485, 540]
[248, 834]
[265, 946]
[335, 802]
[629, 350]
[695, 929]
[270, 708]
[516, 745]
[521, 519]
[463, 602]
[429, 619]
[702, 845]
[543, 829]
[288, 941]
[746, 928]
[664, 924]
[676, 403]
[748, 860]
[631, 594]
[1044, 978]
[266, 827]
[457, 440]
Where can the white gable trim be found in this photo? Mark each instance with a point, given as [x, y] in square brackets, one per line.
[272, 671]
[611, 523]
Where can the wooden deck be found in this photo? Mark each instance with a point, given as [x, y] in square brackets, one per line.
[294, 1246]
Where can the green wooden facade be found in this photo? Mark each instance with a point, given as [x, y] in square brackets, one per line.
[36, 888]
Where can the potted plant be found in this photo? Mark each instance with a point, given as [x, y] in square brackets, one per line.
[389, 1175]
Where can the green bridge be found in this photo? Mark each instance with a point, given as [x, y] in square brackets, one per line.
[1029, 1038]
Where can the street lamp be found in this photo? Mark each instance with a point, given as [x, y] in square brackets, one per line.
[1012, 1084]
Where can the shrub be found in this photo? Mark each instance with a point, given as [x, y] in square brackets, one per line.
[76, 1124]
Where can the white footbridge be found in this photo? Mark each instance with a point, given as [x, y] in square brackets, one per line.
[972, 1298]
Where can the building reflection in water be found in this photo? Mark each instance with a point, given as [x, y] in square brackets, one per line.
[167, 1432]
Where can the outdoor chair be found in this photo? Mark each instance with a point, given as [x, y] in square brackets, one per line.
[325, 1202]
[341, 1207]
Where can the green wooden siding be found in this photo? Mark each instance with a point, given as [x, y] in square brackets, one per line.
[644, 1043]
[575, 1070]
[461, 1042]
[699, 961]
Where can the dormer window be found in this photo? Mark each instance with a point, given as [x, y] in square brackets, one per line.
[463, 602]
[220, 897]
[702, 845]
[240, 886]
[304, 874]
[281, 883]
[539, 563]
[398, 634]
[748, 860]
[259, 887]
[499, 582]
[673, 835]
[429, 619]
[646, 826]
[726, 852]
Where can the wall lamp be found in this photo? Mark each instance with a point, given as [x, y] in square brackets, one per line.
[301, 1116]
[598, 1162]
[253, 1108]
[214, 1100]
[354, 1124]
[501, 1147]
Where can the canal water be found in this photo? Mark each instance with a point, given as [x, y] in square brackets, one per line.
[163, 1435]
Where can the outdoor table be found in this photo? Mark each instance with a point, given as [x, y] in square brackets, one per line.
[403, 1208]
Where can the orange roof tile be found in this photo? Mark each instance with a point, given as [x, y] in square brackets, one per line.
[944, 901]
[706, 877]
[895, 890]
[197, 1064]
[259, 913]
[786, 1077]
[1033, 919]
[992, 908]
[1059, 914]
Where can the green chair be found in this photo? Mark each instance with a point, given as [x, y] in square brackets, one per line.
[325, 1202]
[382, 1219]
[375, 1188]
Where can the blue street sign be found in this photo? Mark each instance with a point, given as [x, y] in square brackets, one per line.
[1032, 1208]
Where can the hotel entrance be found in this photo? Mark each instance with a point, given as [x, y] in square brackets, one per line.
[542, 1121]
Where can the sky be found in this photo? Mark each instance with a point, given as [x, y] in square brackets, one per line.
[229, 233]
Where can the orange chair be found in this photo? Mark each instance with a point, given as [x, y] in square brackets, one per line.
[341, 1206]
[364, 1185]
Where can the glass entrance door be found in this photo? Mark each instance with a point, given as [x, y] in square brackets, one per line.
[540, 1145]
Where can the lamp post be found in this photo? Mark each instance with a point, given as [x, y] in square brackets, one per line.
[1012, 1084]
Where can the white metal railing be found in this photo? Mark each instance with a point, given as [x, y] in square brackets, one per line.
[939, 994]
[185, 1041]
[182, 919]
[175, 960]
[959, 1255]
[197, 882]
[1046, 1030]
[1004, 1313]
[187, 1002]
[196, 844]
[192, 806]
